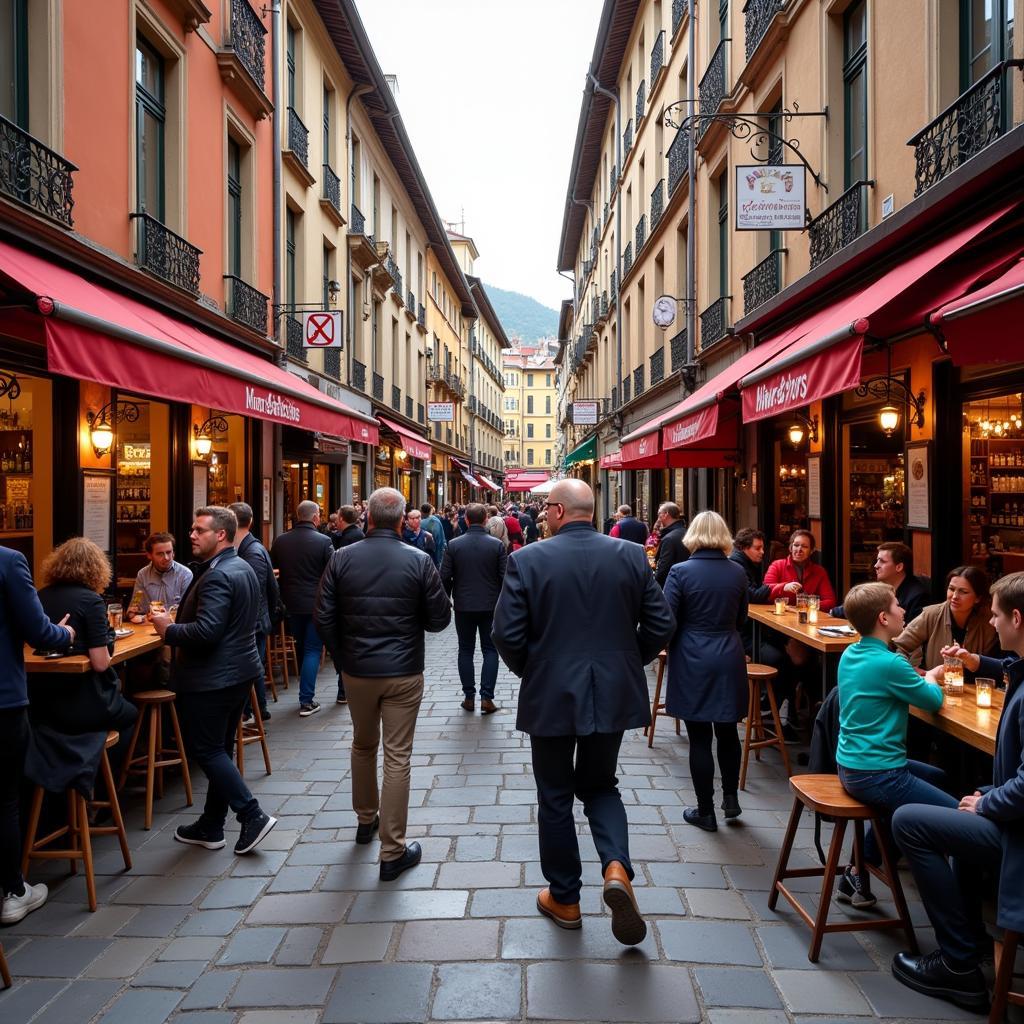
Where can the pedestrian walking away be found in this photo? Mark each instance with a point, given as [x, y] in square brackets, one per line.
[583, 685]
[376, 600]
[472, 572]
[215, 667]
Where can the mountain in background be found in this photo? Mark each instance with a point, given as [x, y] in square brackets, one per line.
[522, 316]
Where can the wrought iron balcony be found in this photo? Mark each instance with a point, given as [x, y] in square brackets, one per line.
[454, 384]
[764, 281]
[358, 375]
[421, 315]
[472, 404]
[34, 174]
[332, 188]
[627, 139]
[396, 275]
[627, 260]
[657, 57]
[246, 305]
[641, 102]
[293, 337]
[613, 178]
[640, 234]
[332, 362]
[658, 366]
[657, 203]
[595, 308]
[614, 296]
[396, 398]
[678, 161]
[625, 390]
[839, 224]
[604, 305]
[679, 9]
[410, 303]
[615, 398]
[408, 407]
[247, 32]
[378, 387]
[758, 15]
[160, 251]
[298, 137]
[638, 381]
[678, 346]
[714, 86]
[714, 323]
[358, 221]
[970, 123]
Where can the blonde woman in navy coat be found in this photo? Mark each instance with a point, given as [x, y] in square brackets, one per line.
[707, 669]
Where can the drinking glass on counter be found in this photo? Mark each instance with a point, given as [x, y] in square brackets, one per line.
[157, 607]
[801, 609]
[115, 616]
[953, 676]
[780, 606]
[983, 692]
[813, 604]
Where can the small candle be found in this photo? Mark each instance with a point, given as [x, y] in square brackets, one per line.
[813, 603]
[780, 606]
[983, 691]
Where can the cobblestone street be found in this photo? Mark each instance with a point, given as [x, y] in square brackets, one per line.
[303, 932]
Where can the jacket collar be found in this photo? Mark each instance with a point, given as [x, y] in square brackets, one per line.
[573, 527]
[198, 568]
[677, 525]
[304, 524]
[380, 534]
[475, 528]
[707, 553]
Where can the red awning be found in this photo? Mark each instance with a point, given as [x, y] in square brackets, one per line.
[523, 480]
[469, 478]
[611, 461]
[487, 482]
[94, 333]
[413, 445]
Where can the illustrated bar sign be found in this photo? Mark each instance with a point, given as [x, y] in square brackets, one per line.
[584, 413]
[321, 329]
[440, 412]
[771, 197]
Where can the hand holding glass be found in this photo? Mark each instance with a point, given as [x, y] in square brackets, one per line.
[953, 676]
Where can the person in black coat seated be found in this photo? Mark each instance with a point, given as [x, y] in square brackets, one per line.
[671, 549]
[583, 685]
[215, 666]
[894, 564]
[951, 850]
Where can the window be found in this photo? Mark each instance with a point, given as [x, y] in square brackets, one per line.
[290, 60]
[234, 208]
[150, 121]
[529, 380]
[328, 101]
[723, 19]
[325, 293]
[547, 456]
[547, 382]
[529, 430]
[529, 405]
[356, 165]
[529, 456]
[289, 256]
[986, 37]
[547, 405]
[14, 56]
[376, 207]
[855, 93]
[547, 430]
[723, 234]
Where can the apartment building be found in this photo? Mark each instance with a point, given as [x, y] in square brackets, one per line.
[530, 414]
[803, 379]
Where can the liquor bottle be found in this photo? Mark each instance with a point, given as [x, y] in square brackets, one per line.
[4, 466]
[28, 455]
[18, 464]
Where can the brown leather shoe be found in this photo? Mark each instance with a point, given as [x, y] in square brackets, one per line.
[488, 707]
[467, 704]
[565, 915]
[627, 924]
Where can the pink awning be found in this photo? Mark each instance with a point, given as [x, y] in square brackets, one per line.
[487, 482]
[611, 461]
[413, 445]
[523, 480]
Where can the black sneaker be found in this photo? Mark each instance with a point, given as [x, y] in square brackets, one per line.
[855, 890]
[705, 821]
[198, 834]
[254, 830]
[932, 976]
[364, 833]
[305, 710]
[391, 869]
[342, 699]
[264, 714]
[731, 806]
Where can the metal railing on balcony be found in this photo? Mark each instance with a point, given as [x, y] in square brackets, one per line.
[595, 308]
[421, 315]
[604, 305]
[160, 251]
[332, 362]
[757, 16]
[764, 281]
[615, 398]
[614, 294]
[627, 259]
[396, 398]
[679, 9]
[625, 390]
[714, 323]
[410, 303]
[627, 139]
[658, 366]
[396, 275]
[657, 203]
[358, 375]
[378, 387]
[638, 381]
[678, 161]
[358, 226]
[247, 32]
[971, 122]
[640, 232]
[839, 224]
[657, 57]
[34, 174]
[613, 178]
[293, 339]
[678, 347]
[714, 86]
[246, 305]
[332, 188]
[298, 137]
[641, 102]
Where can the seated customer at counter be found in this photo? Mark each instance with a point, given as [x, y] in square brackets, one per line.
[894, 565]
[798, 574]
[962, 619]
[163, 579]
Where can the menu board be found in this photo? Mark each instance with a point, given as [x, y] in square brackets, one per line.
[814, 486]
[96, 489]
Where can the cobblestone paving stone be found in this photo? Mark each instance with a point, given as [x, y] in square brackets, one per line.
[303, 931]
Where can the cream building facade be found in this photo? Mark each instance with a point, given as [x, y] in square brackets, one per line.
[530, 408]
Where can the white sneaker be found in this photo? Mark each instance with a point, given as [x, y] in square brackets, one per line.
[17, 907]
[784, 712]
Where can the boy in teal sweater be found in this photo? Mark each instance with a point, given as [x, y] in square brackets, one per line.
[876, 688]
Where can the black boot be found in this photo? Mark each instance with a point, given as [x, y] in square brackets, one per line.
[931, 975]
[708, 822]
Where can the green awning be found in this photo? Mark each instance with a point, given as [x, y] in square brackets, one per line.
[582, 453]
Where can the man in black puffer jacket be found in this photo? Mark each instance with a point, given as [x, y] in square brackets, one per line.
[376, 599]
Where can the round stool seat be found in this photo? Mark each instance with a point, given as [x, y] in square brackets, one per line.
[825, 794]
[756, 671]
[154, 696]
[112, 738]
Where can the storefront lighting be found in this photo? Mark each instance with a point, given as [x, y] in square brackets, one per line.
[889, 419]
[203, 434]
[101, 424]
[800, 428]
[883, 387]
[401, 455]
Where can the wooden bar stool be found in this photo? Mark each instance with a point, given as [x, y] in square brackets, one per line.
[282, 652]
[825, 795]
[254, 733]
[157, 757]
[1002, 994]
[78, 830]
[757, 736]
[268, 672]
[658, 705]
[5, 973]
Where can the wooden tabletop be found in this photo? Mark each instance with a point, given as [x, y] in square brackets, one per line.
[967, 722]
[807, 633]
[142, 640]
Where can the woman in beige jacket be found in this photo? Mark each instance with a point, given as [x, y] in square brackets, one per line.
[963, 618]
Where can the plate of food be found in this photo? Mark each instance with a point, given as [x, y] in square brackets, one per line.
[122, 633]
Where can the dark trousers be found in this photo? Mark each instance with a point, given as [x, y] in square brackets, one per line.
[952, 894]
[702, 764]
[591, 779]
[209, 721]
[14, 733]
[467, 626]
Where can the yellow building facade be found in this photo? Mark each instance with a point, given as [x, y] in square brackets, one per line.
[530, 408]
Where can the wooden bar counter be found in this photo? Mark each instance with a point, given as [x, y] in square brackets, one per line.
[977, 727]
[142, 640]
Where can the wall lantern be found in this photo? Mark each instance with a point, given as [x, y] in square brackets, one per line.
[102, 423]
[882, 387]
[801, 427]
[203, 434]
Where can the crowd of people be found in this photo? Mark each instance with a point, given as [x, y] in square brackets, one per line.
[371, 580]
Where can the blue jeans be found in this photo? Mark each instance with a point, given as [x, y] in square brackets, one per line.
[467, 625]
[914, 783]
[307, 649]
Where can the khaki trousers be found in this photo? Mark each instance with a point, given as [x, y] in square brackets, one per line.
[391, 704]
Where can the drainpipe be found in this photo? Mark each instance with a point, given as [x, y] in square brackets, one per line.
[691, 202]
[360, 90]
[277, 288]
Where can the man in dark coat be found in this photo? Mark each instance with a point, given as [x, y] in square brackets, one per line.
[472, 571]
[215, 666]
[985, 834]
[894, 564]
[583, 685]
[671, 549]
[350, 531]
[629, 527]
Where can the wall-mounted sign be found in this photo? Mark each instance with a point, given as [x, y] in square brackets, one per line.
[440, 412]
[584, 413]
[771, 197]
[321, 329]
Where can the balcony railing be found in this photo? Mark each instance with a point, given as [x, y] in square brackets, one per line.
[614, 296]
[332, 188]
[679, 9]
[378, 387]
[358, 375]
[247, 32]
[764, 281]
[714, 323]
[970, 123]
[358, 221]
[758, 16]
[627, 260]
[160, 251]
[678, 161]
[35, 175]
[410, 302]
[678, 346]
[625, 390]
[246, 305]
[640, 233]
[658, 366]
[713, 86]
[657, 57]
[293, 337]
[641, 102]
[613, 178]
[615, 398]
[396, 398]
[638, 381]
[627, 139]
[332, 362]
[657, 203]
[838, 225]
[604, 305]
[396, 275]
[421, 315]
[298, 137]
[595, 308]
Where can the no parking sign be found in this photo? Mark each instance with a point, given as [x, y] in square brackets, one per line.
[321, 329]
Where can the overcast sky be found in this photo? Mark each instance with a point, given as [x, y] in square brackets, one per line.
[490, 94]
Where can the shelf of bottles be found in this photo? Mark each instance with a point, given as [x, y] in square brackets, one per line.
[17, 516]
[877, 493]
[132, 508]
[996, 495]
